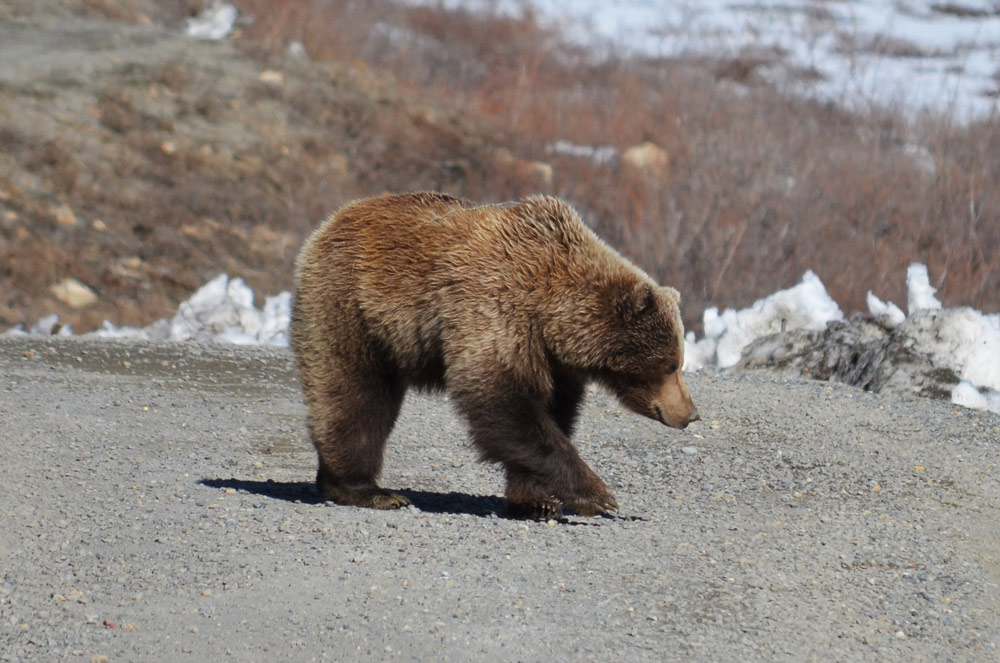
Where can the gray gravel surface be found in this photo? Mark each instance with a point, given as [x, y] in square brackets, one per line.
[157, 505]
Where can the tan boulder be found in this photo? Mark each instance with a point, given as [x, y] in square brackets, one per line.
[647, 158]
[73, 293]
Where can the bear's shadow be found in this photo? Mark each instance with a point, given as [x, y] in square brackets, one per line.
[428, 501]
[483, 506]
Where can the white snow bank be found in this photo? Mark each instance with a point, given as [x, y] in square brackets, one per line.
[221, 311]
[47, 325]
[968, 342]
[966, 395]
[892, 313]
[805, 306]
[920, 294]
[962, 339]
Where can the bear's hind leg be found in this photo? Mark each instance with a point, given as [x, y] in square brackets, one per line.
[350, 420]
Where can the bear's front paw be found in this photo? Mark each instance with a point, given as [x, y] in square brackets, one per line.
[548, 509]
[592, 506]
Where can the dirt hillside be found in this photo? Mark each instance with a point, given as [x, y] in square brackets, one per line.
[141, 163]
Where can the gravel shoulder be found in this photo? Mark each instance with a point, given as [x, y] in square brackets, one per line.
[158, 505]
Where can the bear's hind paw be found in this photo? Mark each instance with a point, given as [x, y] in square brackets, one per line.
[387, 500]
[371, 498]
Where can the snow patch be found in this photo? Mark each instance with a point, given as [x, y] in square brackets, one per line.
[804, 306]
[920, 294]
[599, 155]
[892, 313]
[914, 54]
[221, 311]
[215, 22]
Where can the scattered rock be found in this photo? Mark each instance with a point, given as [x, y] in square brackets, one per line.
[73, 293]
[64, 215]
[864, 351]
[538, 173]
[271, 77]
[647, 158]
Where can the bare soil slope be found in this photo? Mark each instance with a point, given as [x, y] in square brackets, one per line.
[142, 163]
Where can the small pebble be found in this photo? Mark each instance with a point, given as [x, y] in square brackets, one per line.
[690, 451]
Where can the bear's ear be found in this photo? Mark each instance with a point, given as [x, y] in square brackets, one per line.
[636, 302]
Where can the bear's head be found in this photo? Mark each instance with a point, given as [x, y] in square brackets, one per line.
[644, 354]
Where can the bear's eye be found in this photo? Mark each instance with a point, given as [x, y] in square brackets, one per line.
[671, 369]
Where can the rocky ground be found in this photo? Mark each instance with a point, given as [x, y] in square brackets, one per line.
[158, 505]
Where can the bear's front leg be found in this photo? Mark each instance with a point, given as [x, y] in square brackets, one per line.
[544, 470]
[529, 497]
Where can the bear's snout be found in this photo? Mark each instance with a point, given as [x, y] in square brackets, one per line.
[674, 422]
[673, 404]
[683, 423]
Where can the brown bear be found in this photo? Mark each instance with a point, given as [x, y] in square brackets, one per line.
[510, 308]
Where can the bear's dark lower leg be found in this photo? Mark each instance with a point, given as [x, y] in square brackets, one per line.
[544, 469]
[566, 398]
[358, 492]
[531, 496]
[350, 424]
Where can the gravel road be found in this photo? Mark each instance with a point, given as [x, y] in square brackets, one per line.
[157, 505]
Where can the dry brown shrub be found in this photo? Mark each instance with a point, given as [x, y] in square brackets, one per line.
[760, 186]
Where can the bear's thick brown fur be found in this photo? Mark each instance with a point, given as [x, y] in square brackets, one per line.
[510, 308]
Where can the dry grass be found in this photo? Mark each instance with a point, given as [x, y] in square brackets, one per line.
[759, 187]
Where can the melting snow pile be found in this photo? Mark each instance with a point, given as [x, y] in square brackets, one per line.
[215, 22]
[220, 311]
[952, 353]
[805, 306]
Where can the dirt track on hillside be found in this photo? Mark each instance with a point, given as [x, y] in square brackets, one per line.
[158, 505]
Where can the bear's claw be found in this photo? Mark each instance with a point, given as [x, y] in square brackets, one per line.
[586, 506]
[388, 500]
[552, 509]
[549, 509]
